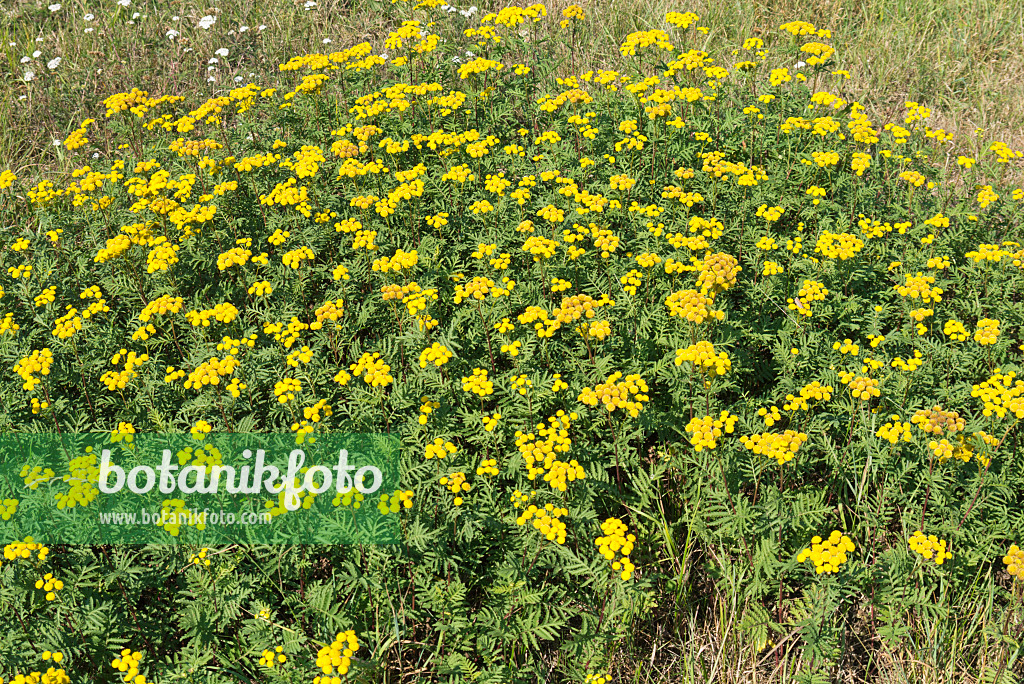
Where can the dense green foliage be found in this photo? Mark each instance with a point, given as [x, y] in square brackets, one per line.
[715, 304]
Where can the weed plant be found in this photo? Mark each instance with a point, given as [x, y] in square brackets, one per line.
[683, 351]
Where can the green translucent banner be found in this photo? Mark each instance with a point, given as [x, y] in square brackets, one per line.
[221, 489]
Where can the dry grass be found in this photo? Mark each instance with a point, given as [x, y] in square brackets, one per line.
[962, 58]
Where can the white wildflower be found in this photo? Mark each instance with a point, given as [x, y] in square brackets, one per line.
[54, 7]
[223, 52]
[53, 63]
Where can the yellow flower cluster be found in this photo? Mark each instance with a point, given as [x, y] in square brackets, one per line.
[846, 347]
[810, 291]
[491, 422]
[7, 324]
[456, 484]
[702, 355]
[617, 541]
[25, 549]
[911, 364]
[336, 658]
[330, 311]
[401, 261]
[955, 330]
[440, 449]
[999, 396]
[128, 663]
[987, 332]
[694, 306]
[436, 354]
[770, 214]
[541, 247]
[838, 245]
[827, 554]
[50, 585]
[547, 520]
[488, 466]
[295, 257]
[861, 387]
[377, 373]
[920, 286]
[477, 383]
[931, 547]
[285, 389]
[707, 430]
[236, 256]
[39, 361]
[895, 430]
[398, 499]
[936, 421]
[813, 391]
[628, 395]
[201, 559]
[224, 313]
[1014, 562]
[118, 380]
[782, 447]
[479, 287]
[207, 373]
[718, 273]
[426, 408]
[270, 658]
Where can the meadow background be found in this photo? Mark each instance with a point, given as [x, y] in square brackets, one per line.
[722, 591]
[960, 57]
